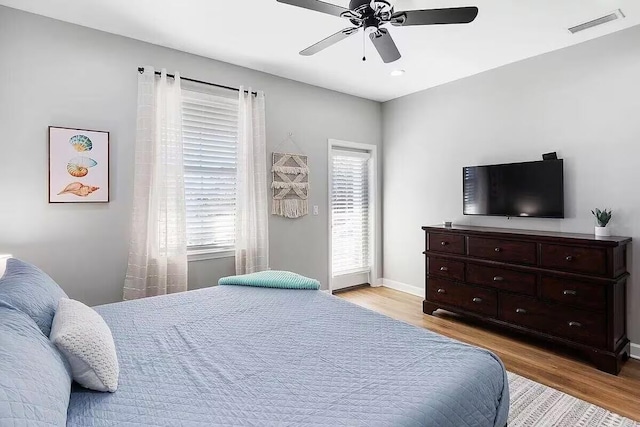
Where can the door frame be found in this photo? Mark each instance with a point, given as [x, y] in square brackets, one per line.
[374, 201]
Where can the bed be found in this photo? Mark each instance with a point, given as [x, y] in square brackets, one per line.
[234, 355]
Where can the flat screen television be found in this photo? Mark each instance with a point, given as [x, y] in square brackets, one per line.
[531, 189]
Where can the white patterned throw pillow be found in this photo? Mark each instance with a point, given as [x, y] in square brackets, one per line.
[84, 338]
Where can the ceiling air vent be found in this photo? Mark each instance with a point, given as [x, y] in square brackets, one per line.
[598, 21]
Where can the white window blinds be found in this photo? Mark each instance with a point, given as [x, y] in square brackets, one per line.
[350, 212]
[210, 134]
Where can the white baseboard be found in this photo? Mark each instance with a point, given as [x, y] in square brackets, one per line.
[403, 287]
[635, 351]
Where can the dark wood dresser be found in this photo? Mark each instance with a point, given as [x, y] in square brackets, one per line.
[569, 289]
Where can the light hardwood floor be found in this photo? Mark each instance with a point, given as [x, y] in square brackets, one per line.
[538, 362]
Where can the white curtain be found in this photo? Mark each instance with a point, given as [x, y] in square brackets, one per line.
[158, 246]
[252, 232]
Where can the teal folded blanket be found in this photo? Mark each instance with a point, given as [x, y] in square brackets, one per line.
[272, 279]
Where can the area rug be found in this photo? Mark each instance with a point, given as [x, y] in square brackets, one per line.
[535, 404]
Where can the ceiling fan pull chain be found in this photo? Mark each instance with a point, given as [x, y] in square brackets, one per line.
[364, 45]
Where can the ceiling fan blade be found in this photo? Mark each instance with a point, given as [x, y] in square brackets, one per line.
[318, 6]
[385, 45]
[329, 41]
[455, 15]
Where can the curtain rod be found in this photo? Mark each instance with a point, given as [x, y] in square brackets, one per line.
[171, 76]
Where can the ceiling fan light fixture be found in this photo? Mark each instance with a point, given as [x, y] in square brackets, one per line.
[397, 73]
[371, 25]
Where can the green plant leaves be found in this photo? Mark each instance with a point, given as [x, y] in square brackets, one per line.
[602, 216]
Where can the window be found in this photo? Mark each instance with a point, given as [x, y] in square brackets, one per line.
[210, 134]
[350, 212]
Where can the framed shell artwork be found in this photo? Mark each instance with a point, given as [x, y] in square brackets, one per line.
[78, 165]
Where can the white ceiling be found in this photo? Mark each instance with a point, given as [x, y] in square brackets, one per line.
[267, 36]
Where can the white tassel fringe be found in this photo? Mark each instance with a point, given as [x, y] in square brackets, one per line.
[290, 170]
[290, 208]
[280, 185]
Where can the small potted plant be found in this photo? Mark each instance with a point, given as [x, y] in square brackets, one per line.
[602, 218]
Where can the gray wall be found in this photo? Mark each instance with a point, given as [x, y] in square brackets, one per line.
[583, 101]
[54, 73]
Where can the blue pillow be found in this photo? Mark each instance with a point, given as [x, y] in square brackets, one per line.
[35, 379]
[30, 290]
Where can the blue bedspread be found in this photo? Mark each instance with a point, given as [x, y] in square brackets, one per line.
[243, 356]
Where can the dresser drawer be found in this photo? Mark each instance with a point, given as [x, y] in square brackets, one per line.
[447, 243]
[503, 250]
[571, 258]
[576, 325]
[500, 278]
[445, 268]
[580, 294]
[469, 298]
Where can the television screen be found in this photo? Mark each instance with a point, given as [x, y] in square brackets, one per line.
[532, 189]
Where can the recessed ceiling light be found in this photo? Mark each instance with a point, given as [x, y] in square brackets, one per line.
[397, 73]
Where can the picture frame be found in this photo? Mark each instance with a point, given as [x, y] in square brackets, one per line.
[78, 165]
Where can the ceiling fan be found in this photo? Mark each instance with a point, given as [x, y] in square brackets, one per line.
[372, 15]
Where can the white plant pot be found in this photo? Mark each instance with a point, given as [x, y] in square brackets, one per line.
[602, 231]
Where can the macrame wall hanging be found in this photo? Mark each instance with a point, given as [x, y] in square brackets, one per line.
[290, 184]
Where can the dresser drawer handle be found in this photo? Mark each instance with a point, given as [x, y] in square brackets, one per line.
[477, 300]
[444, 269]
[442, 291]
[521, 311]
[498, 279]
[498, 249]
[569, 292]
[444, 243]
[575, 324]
[569, 258]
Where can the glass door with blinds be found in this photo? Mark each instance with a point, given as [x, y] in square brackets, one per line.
[351, 218]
